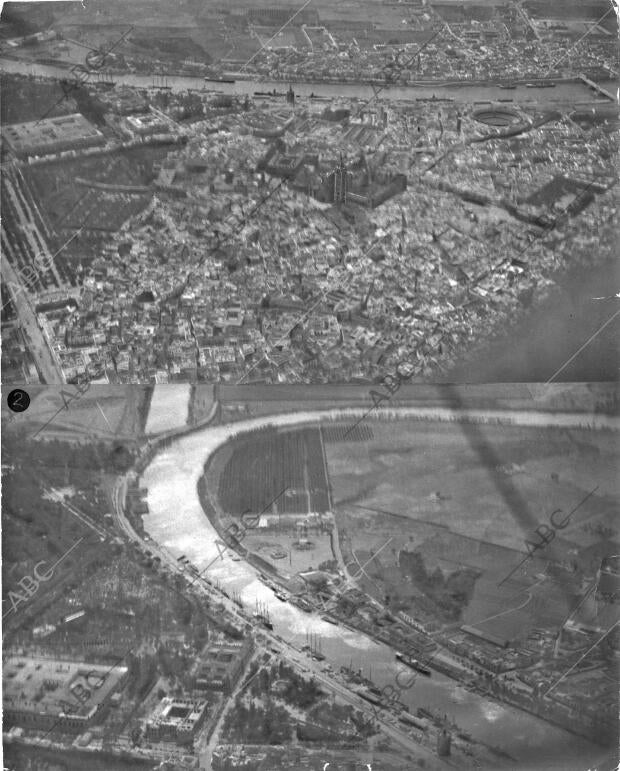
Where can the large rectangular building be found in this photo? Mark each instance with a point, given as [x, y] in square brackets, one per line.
[42, 693]
[176, 720]
[145, 123]
[51, 135]
[222, 665]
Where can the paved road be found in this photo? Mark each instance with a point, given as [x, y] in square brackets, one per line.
[205, 752]
[47, 367]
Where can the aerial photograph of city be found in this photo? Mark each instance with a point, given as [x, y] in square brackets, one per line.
[440, 576]
[310, 380]
[235, 191]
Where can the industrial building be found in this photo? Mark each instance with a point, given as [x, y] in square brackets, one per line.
[279, 163]
[222, 665]
[57, 299]
[176, 720]
[42, 693]
[486, 636]
[51, 135]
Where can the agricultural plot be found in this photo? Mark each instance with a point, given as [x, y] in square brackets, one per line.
[261, 467]
[343, 433]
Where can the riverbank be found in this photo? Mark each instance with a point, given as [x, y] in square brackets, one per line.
[177, 522]
[232, 77]
[571, 91]
[395, 636]
[462, 741]
[420, 82]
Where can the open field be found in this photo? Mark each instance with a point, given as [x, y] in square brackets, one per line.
[575, 397]
[103, 411]
[464, 498]
[168, 407]
[488, 482]
[450, 507]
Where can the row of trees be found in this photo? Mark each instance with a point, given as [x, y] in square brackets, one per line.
[258, 725]
[299, 691]
[142, 674]
[99, 456]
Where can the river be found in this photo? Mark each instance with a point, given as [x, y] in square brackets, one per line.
[564, 92]
[169, 407]
[177, 522]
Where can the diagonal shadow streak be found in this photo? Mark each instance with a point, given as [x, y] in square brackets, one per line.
[516, 503]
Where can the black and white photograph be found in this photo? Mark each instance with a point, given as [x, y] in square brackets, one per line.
[438, 572]
[310, 385]
[197, 191]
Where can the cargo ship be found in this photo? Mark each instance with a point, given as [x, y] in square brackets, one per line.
[265, 94]
[219, 80]
[315, 647]
[433, 99]
[264, 620]
[262, 614]
[413, 663]
[540, 85]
